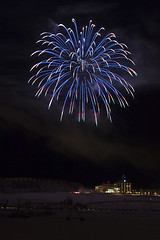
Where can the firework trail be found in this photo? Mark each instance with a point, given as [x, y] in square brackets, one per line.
[84, 67]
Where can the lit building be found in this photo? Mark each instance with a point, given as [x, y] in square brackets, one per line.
[122, 186]
[107, 188]
[99, 188]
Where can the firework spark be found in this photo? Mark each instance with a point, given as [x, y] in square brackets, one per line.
[84, 67]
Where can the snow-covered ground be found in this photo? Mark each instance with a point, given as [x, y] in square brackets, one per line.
[98, 201]
[106, 216]
[82, 197]
[92, 228]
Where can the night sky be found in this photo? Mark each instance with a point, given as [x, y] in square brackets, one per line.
[33, 143]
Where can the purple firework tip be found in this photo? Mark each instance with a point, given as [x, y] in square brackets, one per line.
[83, 70]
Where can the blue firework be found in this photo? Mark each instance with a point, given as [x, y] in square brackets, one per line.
[84, 67]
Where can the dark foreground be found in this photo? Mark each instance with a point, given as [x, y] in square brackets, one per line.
[92, 227]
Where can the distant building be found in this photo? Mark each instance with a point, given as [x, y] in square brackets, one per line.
[107, 188]
[155, 192]
[122, 186]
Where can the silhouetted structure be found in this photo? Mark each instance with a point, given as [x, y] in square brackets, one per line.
[15, 185]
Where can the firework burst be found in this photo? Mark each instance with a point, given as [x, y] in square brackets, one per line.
[84, 67]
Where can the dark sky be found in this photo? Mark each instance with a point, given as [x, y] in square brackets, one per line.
[32, 140]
